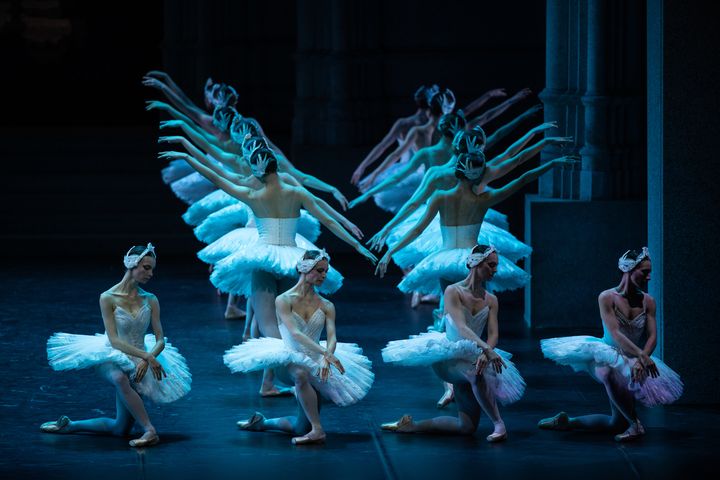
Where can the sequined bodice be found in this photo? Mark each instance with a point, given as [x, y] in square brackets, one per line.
[476, 323]
[277, 231]
[633, 329]
[313, 327]
[132, 329]
[460, 236]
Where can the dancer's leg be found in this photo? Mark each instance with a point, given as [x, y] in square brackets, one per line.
[120, 425]
[439, 325]
[249, 319]
[488, 403]
[232, 310]
[308, 400]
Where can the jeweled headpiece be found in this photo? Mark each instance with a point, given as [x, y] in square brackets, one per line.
[475, 259]
[626, 264]
[307, 264]
[131, 261]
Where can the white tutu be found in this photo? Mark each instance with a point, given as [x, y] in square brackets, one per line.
[67, 351]
[275, 249]
[430, 240]
[192, 188]
[343, 389]
[395, 197]
[429, 348]
[175, 170]
[584, 353]
[230, 240]
[449, 265]
[210, 203]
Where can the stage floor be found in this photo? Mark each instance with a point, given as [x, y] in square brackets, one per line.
[198, 433]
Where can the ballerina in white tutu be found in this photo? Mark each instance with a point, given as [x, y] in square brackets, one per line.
[123, 354]
[302, 360]
[481, 374]
[622, 359]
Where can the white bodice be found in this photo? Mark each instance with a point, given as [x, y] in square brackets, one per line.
[312, 328]
[277, 231]
[476, 323]
[633, 329]
[460, 236]
[132, 329]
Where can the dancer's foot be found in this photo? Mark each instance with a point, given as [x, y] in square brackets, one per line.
[232, 312]
[402, 426]
[252, 423]
[415, 300]
[275, 391]
[447, 398]
[312, 438]
[561, 421]
[148, 439]
[498, 435]
[58, 426]
[431, 298]
[635, 431]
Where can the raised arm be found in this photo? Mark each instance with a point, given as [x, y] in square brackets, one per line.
[410, 235]
[476, 104]
[496, 171]
[505, 130]
[405, 170]
[310, 181]
[500, 194]
[231, 176]
[229, 187]
[410, 139]
[499, 110]
[374, 154]
[208, 142]
[179, 100]
[521, 142]
[309, 203]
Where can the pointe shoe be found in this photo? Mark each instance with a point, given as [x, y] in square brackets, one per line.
[415, 300]
[57, 426]
[634, 432]
[561, 422]
[447, 398]
[308, 440]
[233, 312]
[278, 392]
[399, 426]
[496, 437]
[250, 423]
[153, 439]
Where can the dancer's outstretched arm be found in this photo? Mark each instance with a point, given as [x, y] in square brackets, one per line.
[499, 170]
[108, 315]
[309, 203]
[422, 223]
[457, 313]
[385, 143]
[201, 139]
[200, 157]
[178, 99]
[476, 104]
[413, 164]
[505, 130]
[284, 311]
[310, 181]
[411, 139]
[331, 343]
[499, 110]
[167, 80]
[493, 197]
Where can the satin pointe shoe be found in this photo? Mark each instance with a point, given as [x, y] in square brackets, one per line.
[251, 422]
[560, 422]
[309, 440]
[399, 426]
[147, 440]
[278, 392]
[634, 432]
[57, 426]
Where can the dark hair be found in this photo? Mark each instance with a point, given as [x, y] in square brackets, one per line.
[451, 123]
[473, 140]
[272, 166]
[226, 96]
[471, 160]
[435, 104]
[256, 139]
[479, 248]
[223, 117]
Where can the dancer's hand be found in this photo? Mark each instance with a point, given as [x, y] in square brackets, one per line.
[382, 266]
[157, 369]
[171, 124]
[638, 373]
[354, 229]
[497, 93]
[156, 105]
[559, 140]
[649, 365]
[535, 109]
[366, 253]
[377, 241]
[340, 198]
[153, 83]
[330, 359]
[159, 74]
[569, 160]
[171, 155]
[524, 93]
[141, 370]
[357, 174]
[171, 139]
[489, 357]
[545, 126]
